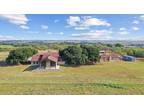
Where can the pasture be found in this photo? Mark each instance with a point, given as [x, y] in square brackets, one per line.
[103, 78]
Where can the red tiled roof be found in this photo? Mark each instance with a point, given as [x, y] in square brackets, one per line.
[44, 56]
[53, 56]
[35, 58]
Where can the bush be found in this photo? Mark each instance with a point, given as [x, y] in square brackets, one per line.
[20, 56]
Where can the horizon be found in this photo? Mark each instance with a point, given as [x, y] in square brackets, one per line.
[87, 27]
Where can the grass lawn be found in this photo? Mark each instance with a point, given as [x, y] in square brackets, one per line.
[105, 78]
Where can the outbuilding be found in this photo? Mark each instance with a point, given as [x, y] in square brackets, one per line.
[108, 55]
[128, 58]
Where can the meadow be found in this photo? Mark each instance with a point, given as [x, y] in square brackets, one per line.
[103, 78]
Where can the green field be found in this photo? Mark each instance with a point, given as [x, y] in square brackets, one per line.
[104, 78]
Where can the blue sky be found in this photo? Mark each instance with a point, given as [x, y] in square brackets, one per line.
[71, 27]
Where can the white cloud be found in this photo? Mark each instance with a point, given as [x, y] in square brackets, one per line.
[24, 27]
[61, 33]
[135, 22]
[122, 28]
[95, 22]
[135, 28]
[18, 19]
[138, 19]
[84, 22]
[141, 17]
[55, 21]
[51, 33]
[123, 32]
[44, 27]
[95, 34]
[33, 32]
[73, 20]
[81, 28]
[3, 37]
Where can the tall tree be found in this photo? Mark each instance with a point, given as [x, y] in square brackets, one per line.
[78, 55]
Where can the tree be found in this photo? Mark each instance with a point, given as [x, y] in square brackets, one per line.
[139, 53]
[72, 55]
[119, 45]
[109, 45]
[79, 55]
[92, 53]
[20, 56]
[130, 52]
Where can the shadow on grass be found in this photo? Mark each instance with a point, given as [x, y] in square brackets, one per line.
[71, 65]
[4, 64]
[31, 68]
[66, 65]
[89, 64]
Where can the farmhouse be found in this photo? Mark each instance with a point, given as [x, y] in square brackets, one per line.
[108, 55]
[47, 60]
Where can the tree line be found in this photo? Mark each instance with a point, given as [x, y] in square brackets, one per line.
[78, 54]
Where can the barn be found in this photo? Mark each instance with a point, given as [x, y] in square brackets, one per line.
[108, 55]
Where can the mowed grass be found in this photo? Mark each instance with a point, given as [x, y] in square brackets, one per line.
[104, 78]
